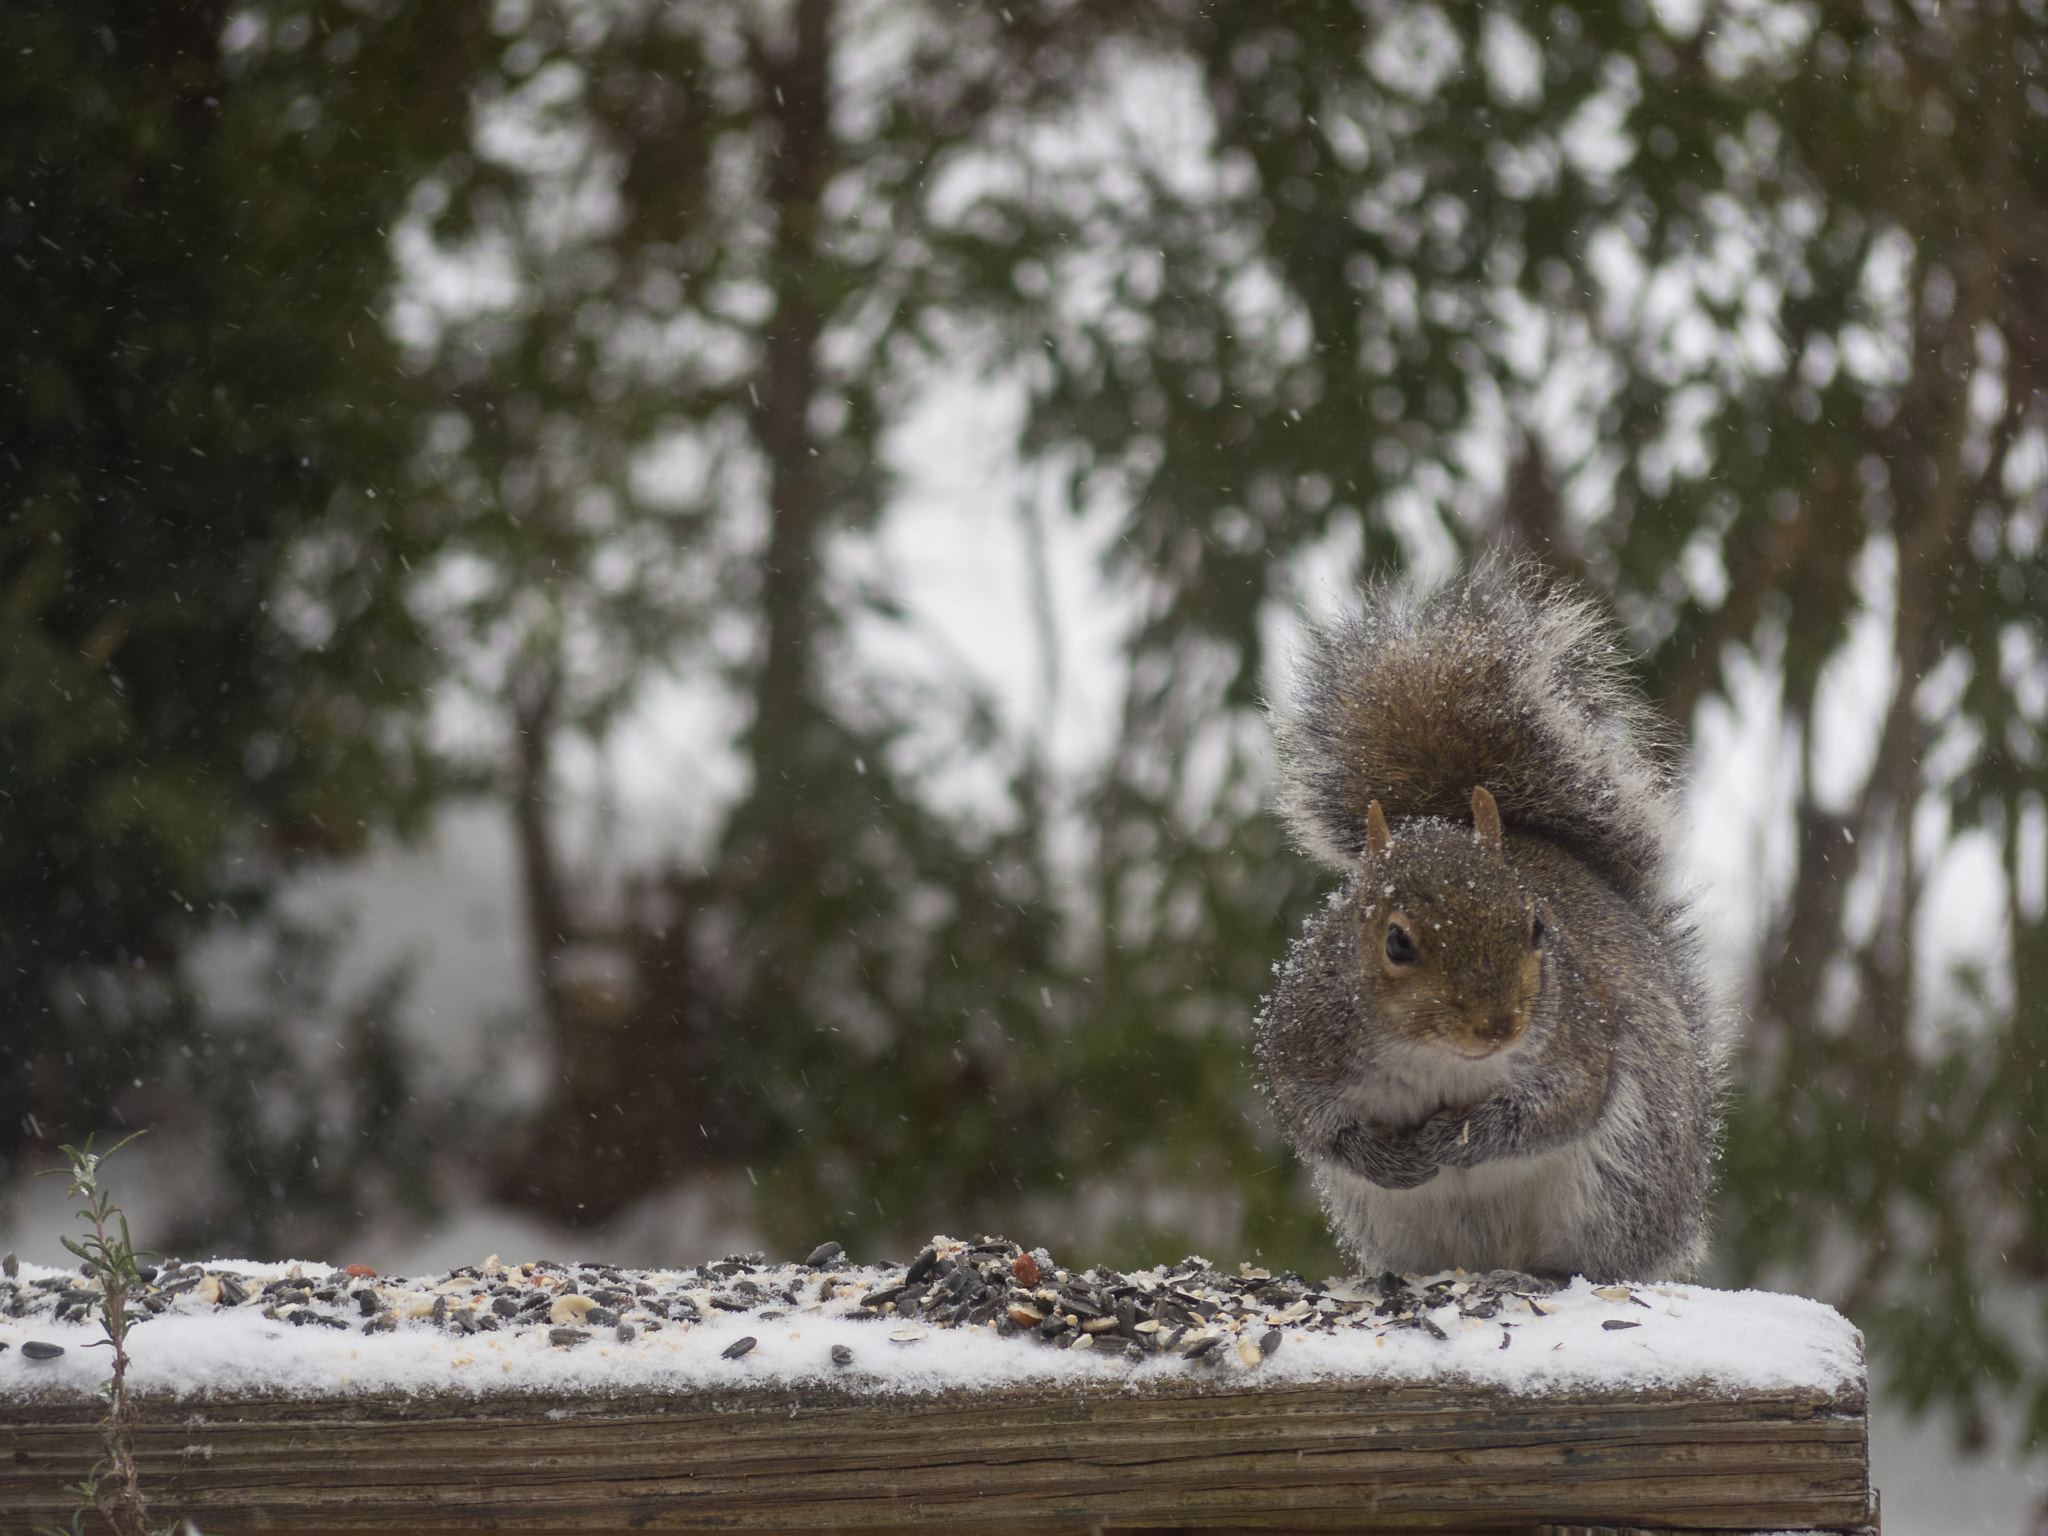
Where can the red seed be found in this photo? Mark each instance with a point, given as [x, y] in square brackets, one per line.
[1025, 1268]
[360, 1272]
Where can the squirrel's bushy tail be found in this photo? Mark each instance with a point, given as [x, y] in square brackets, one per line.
[1485, 681]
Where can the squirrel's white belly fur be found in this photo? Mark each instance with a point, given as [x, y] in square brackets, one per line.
[1522, 1213]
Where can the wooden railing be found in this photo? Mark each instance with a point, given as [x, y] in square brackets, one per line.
[1181, 1454]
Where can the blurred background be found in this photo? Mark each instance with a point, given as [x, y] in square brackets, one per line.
[638, 628]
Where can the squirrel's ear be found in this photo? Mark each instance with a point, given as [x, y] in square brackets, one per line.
[1485, 818]
[1376, 834]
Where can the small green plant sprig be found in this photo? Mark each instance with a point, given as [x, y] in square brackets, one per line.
[110, 1259]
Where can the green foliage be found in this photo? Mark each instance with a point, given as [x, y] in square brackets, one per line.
[207, 665]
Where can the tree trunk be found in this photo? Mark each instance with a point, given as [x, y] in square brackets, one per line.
[797, 85]
[536, 696]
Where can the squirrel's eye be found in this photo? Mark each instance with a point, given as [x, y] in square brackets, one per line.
[1536, 929]
[1400, 948]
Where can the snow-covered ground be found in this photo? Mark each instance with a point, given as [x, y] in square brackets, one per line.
[1929, 1488]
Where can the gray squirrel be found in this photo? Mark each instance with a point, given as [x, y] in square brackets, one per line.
[1494, 1046]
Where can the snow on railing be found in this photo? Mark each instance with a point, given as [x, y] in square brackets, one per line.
[980, 1382]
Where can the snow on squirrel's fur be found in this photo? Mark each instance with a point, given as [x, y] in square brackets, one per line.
[307, 1331]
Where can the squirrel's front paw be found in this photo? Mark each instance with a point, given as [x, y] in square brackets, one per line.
[1390, 1159]
[1447, 1138]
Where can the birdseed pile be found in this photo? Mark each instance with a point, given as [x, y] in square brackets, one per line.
[983, 1313]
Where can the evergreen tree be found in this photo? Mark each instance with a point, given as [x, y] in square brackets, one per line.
[208, 667]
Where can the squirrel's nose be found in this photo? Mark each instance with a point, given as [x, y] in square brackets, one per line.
[1501, 1027]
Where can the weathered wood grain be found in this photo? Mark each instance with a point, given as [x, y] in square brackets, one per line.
[1302, 1458]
